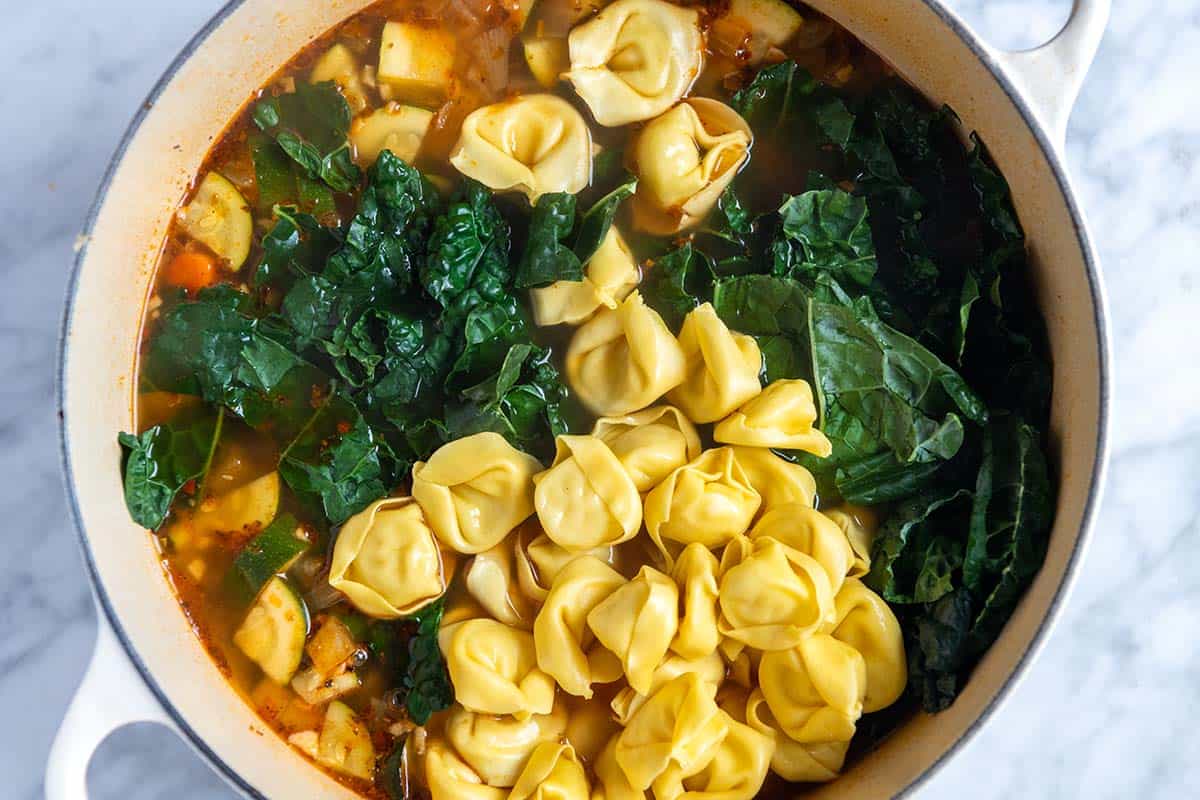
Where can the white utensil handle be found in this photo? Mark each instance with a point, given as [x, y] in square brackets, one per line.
[1050, 76]
[111, 696]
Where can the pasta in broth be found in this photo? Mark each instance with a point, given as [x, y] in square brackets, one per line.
[553, 400]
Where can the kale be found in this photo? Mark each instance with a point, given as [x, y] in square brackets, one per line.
[424, 679]
[675, 283]
[546, 258]
[296, 246]
[281, 181]
[596, 221]
[161, 460]
[784, 102]
[311, 126]
[825, 231]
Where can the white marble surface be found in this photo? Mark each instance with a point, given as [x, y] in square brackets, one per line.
[1110, 709]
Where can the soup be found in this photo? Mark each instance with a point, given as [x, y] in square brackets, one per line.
[589, 399]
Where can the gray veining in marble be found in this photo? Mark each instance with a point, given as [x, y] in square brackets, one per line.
[1110, 709]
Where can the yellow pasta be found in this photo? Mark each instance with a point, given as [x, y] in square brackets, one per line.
[710, 668]
[810, 532]
[771, 596]
[611, 781]
[776, 479]
[491, 579]
[782, 416]
[695, 572]
[859, 524]
[623, 359]
[566, 648]
[637, 623]
[448, 777]
[709, 501]
[533, 144]
[635, 59]
[866, 623]
[815, 690]
[737, 770]
[497, 748]
[586, 499]
[539, 561]
[650, 443]
[494, 669]
[553, 772]
[795, 761]
[722, 367]
[684, 160]
[475, 490]
[590, 724]
[610, 275]
[387, 561]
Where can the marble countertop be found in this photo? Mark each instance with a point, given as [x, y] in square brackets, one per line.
[1109, 709]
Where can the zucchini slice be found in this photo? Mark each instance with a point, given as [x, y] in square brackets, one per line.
[395, 127]
[416, 61]
[270, 553]
[339, 65]
[774, 20]
[345, 744]
[273, 633]
[253, 504]
[219, 218]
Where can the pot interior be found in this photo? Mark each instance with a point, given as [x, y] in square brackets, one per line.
[241, 50]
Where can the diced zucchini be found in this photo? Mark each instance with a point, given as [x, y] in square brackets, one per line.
[253, 504]
[345, 744]
[416, 61]
[339, 65]
[315, 688]
[547, 59]
[331, 645]
[395, 127]
[773, 20]
[270, 553]
[306, 742]
[282, 705]
[219, 217]
[273, 632]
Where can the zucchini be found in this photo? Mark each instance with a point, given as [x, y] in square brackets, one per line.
[345, 744]
[273, 632]
[270, 553]
[339, 65]
[251, 505]
[547, 58]
[219, 218]
[395, 127]
[774, 20]
[416, 62]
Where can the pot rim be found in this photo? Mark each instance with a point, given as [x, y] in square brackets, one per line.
[1098, 469]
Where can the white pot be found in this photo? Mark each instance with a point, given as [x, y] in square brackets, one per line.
[149, 665]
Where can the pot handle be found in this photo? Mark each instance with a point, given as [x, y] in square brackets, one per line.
[111, 695]
[1050, 76]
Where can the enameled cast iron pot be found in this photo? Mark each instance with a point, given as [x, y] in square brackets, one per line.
[148, 663]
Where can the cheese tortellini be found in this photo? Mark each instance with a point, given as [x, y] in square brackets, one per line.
[448, 777]
[491, 578]
[710, 668]
[497, 748]
[494, 669]
[553, 772]
[540, 560]
[623, 359]
[685, 159]
[776, 479]
[722, 367]
[635, 59]
[475, 490]
[816, 689]
[534, 144]
[709, 501]
[771, 596]
[637, 623]
[782, 416]
[586, 499]
[566, 647]
[696, 573]
[737, 770]
[795, 761]
[807, 530]
[610, 275]
[611, 781]
[387, 561]
[866, 623]
[859, 525]
[650, 443]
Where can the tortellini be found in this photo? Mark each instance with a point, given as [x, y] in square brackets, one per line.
[534, 144]
[782, 416]
[737, 770]
[610, 275]
[637, 622]
[674, 734]
[685, 159]
[448, 777]
[722, 367]
[553, 772]
[540, 560]
[709, 501]
[497, 748]
[494, 669]
[809, 531]
[491, 578]
[776, 479]
[475, 490]
[611, 781]
[792, 760]
[623, 359]
[859, 525]
[387, 561]
[696, 573]
[566, 648]
[771, 596]
[635, 59]
[650, 443]
[710, 668]
[816, 689]
[866, 623]
[590, 724]
[586, 499]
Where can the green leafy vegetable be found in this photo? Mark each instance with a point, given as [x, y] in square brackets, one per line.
[424, 678]
[595, 223]
[297, 246]
[784, 101]
[160, 461]
[281, 181]
[546, 258]
[311, 125]
[913, 560]
[825, 231]
[675, 283]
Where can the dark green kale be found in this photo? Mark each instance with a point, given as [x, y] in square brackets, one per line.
[311, 126]
[162, 460]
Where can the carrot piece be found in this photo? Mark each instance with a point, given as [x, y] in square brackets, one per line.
[192, 270]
